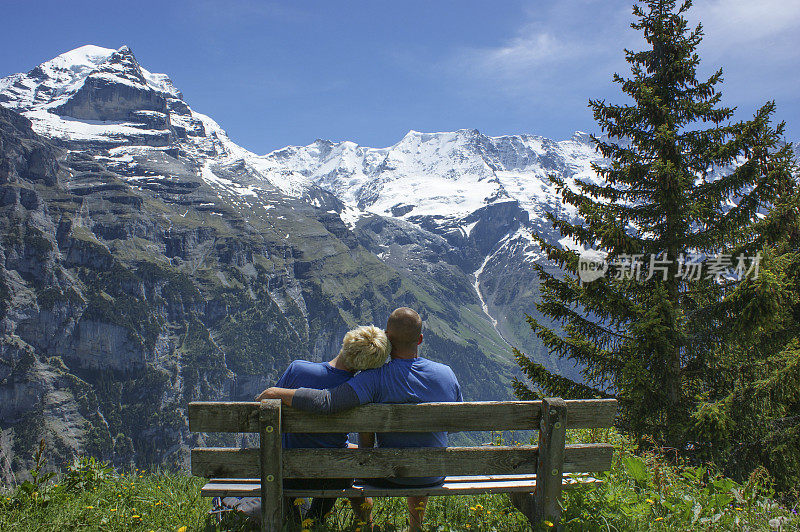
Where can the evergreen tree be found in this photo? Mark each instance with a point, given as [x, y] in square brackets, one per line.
[751, 414]
[649, 338]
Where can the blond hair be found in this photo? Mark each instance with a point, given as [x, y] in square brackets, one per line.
[365, 347]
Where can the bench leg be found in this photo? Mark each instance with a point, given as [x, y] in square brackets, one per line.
[545, 503]
[271, 466]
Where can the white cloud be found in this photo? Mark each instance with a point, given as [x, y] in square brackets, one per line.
[729, 23]
[556, 48]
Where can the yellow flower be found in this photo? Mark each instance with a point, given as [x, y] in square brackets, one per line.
[659, 518]
[298, 502]
[182, 529]
[113, 510]
[136, 516]
[307, 522]
[739, 508]
[358, 529]
[89, 507]
[548, 523]
[305, 530]
[651, 501]
[467, 525]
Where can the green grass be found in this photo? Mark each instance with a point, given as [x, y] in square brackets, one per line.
[641, 492]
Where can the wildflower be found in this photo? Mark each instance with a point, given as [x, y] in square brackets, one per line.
[307, 522]
[89, 507]
[305, 530]
[467, 525]
[364, 505]
[548, 523]
[182, 529]
[358, 529]
[659, 518]
[651, 501]
[113, 510]
[158, 503]
[739, 508]
[136, 516]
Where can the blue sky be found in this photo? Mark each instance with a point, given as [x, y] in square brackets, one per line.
[279, 73]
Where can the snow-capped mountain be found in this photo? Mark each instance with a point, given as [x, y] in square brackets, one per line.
[143, 248]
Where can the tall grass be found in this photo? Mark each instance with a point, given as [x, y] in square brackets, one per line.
[641, 492]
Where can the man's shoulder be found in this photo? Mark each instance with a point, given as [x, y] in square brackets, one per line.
[438, 367]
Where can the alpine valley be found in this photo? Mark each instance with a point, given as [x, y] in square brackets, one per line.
[146, 260]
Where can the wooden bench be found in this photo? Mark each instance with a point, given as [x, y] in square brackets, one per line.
[533, 475]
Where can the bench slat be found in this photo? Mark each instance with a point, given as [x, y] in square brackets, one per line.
[387, 463]
[425, 417]
[452, 486]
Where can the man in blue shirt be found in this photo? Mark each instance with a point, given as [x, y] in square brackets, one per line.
[407, 378]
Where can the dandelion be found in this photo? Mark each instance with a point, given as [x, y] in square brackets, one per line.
[113, 510]
[651, 501]
[659, 518]
[298, 502]
[136, 516]
[307, 522]
[89, 507]
[739, 508]
[305, 530]
[548, 523]
[182, 529]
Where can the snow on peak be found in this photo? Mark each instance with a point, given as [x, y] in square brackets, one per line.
[50, 83]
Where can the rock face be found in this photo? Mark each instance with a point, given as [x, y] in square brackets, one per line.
[147, 261]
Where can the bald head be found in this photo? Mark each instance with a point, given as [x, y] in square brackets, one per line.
[404, 329]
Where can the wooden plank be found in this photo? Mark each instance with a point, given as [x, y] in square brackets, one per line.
[552, 439]
[221, 416]
[450, 417]
[222, 488]
[271, 465]
[387, 463]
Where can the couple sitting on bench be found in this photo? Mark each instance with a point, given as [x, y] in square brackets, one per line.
[329, 387]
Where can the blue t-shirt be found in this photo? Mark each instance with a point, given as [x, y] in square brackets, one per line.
[317, 375]
[415, 380]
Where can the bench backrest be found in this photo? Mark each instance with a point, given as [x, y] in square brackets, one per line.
[451, 417]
